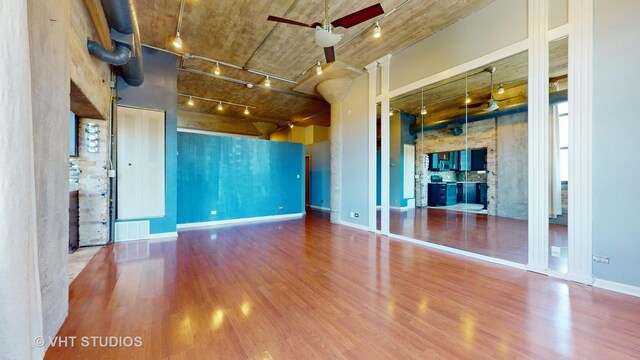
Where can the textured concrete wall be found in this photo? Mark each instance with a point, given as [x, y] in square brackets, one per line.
[513, 166]
[49, 44]
[93, 186]
[90, 76]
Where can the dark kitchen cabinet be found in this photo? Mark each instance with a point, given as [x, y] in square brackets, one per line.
[481, 194]
[442, 194]
[433, 162]
[74, 238]
[479, 159]
[467, 193]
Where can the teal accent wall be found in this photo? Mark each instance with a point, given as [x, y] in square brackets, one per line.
[159, 92]
[237, 178]
[320, 176]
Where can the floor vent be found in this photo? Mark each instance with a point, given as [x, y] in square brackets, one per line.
[132, 230]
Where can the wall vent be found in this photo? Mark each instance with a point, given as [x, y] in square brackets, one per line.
[132, 230]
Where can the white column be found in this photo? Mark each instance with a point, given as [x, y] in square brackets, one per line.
[385, 143]
[372, 69]
[580, 140]
[20, 304]
[538, 137]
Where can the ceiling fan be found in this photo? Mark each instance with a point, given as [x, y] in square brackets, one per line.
[324, 31]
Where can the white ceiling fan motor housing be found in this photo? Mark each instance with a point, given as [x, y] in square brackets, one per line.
[325, 38]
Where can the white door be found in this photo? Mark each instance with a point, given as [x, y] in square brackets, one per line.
[141, 163]
[409, 171]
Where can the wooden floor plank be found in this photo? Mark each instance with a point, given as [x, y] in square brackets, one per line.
[307, 289]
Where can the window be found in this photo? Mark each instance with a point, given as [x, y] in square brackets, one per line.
[563, 119]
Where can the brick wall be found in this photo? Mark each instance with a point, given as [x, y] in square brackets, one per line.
[93, 186]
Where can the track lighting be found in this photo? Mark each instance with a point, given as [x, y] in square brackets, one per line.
[291, 125]
[391, 112]
[267, 82]
[423, 110]
[217, 69]
[377, 32]
[177, 41]
[246, 110]
[220, 108]
[467, 100]
[319, 69]
[190, 102]
[500, 89]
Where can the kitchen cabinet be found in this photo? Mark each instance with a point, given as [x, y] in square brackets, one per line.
[479, 159]
[74, 238]
[433, 162]
[442, 194]
[481, 194]
[467, 192]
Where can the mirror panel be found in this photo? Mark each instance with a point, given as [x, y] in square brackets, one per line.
[558, 155]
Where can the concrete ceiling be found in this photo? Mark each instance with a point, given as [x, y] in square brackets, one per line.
[237, 32]
[445, 99]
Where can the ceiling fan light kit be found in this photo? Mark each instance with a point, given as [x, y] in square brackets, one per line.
[324, 35]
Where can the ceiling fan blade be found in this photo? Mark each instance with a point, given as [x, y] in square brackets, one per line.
[329, 54]
[287, 21]
[474, 105]
[358, 17]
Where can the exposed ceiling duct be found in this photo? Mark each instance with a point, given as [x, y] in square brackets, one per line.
[125, 34]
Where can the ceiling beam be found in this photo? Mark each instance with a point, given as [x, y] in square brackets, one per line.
[100, 22]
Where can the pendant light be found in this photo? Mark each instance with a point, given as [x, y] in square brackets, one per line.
[190, 102]
[423, 109]
[267, 82]
[220, 108]
[377, 32]
[319, 69]
[217, 69]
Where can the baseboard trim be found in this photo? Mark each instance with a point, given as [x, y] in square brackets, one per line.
[321, 208]
[355, 226]
[250, 220]
[617, 287]
[168, 236]
[399, 208]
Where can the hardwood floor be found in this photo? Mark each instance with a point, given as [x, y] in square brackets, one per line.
[494, 236]
[306, 289]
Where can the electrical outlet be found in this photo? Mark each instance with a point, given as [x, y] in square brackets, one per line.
[356, 215]
[555, 251]
[601, 259]
[214, 212]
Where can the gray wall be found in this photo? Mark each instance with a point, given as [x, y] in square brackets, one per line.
[355, 166]
[616, 127]
[49, 43]
[512, 189]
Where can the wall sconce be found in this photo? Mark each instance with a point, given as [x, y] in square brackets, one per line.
[91, 134]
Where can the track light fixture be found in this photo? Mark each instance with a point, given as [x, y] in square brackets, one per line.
[467, 99]
[390, 112]
[500, 89]
[246, 110]
[319, 68]
[377, 32]
[267, 82]
[190, 102]
[291, 125]
[423, 110]
[177, 41]
[216, 70]
[220, 108]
